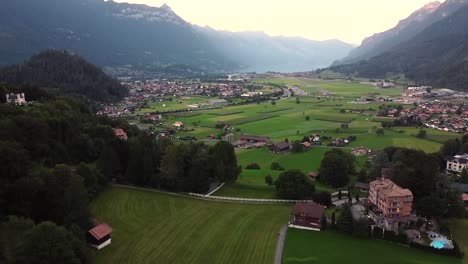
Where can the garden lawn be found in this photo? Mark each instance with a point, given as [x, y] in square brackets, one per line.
[328, 247]
[150, 227]
[459, 229]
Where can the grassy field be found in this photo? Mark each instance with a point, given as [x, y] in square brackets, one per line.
[459, 229]
[332, 248]
[150, 227]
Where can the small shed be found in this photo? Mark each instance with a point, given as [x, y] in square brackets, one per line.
[313, 175]
[99, 236]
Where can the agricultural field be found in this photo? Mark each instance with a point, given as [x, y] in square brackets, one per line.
[321, 247]
[175, 104]
[150, 227]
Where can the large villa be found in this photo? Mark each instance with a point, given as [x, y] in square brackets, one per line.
[390, 205]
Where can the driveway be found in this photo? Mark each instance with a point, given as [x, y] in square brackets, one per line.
[280, 244]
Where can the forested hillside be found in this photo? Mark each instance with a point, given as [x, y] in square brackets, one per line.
[437, 56]
[65, 72]
[56, 156]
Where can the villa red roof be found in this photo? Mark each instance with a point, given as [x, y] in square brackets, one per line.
[100, 231]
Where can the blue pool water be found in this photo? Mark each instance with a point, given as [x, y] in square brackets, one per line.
[439, 244]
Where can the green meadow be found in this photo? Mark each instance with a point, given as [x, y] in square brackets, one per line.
[150, 227]
[328, 247]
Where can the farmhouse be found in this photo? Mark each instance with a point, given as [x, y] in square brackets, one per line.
[280, 147]
[306, 145]
[457, 163]
[390, 205]
[307, 216]
[359, 151]
[120, 134]
[99, 236]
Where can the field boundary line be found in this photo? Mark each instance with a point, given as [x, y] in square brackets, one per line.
[212, 198]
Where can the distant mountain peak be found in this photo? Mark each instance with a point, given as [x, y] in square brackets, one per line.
[167, 8]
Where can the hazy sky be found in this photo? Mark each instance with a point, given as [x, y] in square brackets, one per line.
[347, 20]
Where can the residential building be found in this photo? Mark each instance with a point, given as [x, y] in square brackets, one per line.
[307, 215]
[313, 175]
[390, 205]
[359, 151]
[457, 163]
[17, 99]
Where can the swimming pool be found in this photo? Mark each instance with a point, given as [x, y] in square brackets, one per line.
[439, 244]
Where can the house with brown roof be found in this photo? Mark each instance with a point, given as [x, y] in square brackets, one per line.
[120, 134]
[99, 236]
[280, 147]
[307, 215]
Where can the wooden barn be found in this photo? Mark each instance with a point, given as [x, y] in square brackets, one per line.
[99, 236]
[307, 216]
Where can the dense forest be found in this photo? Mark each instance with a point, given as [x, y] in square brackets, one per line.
[65, 72]
[56, 156]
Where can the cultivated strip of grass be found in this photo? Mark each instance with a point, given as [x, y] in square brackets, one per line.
[334, 118]
[185, 114]
[226, 113]
[275, 110]
[249, 119]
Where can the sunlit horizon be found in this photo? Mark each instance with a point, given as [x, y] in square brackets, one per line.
[349, 21]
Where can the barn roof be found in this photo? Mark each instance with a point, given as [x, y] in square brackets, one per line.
[309, 209]
[100, 231]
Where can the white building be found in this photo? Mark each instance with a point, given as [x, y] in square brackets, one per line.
[456, 164]
[17, 99]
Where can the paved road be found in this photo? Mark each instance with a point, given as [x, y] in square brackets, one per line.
[280, 244]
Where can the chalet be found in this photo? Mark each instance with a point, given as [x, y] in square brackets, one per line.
[313, 175]
[307, 216]
[99, 236]
[280, 147]
[359, 151]
[120, 134]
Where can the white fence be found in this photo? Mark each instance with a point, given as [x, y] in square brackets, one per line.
[247, 200]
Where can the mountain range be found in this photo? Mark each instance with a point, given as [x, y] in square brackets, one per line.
[430, 47]
[119, 34]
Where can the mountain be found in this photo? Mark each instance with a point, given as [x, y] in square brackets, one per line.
[114, 35]
[437, 56]
[105, 33]
[65, 72]
[404, 31]
[257, 51]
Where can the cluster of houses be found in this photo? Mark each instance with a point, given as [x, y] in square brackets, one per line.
[161, 88]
